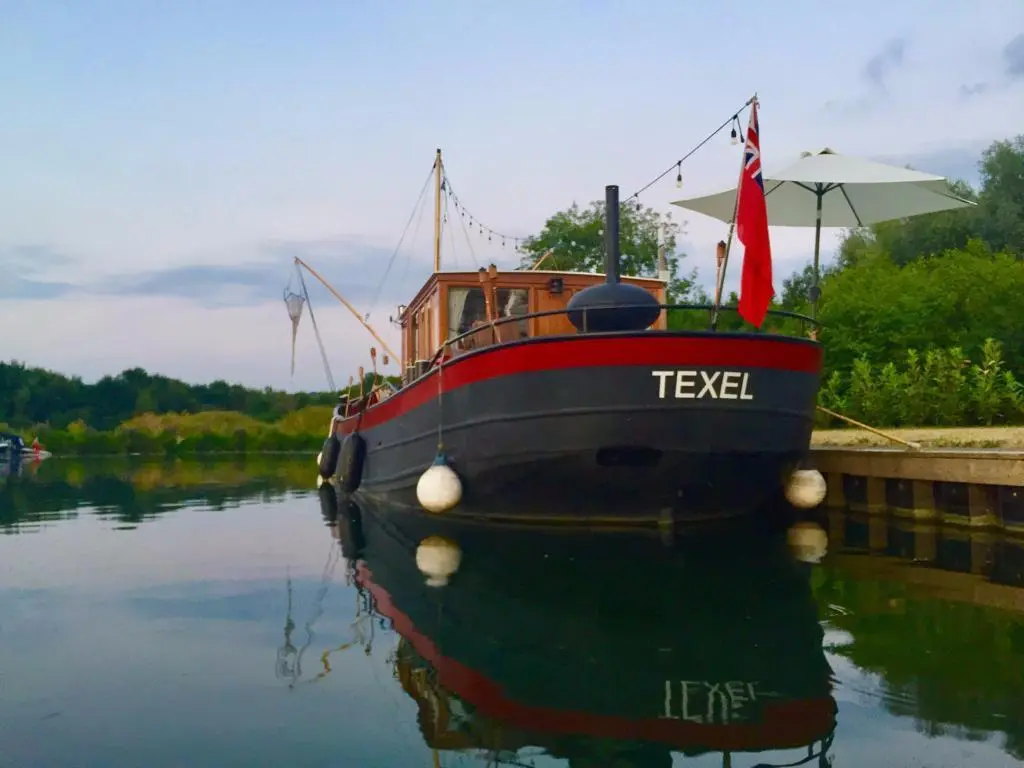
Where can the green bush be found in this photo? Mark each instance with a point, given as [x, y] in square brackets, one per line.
[941, 388]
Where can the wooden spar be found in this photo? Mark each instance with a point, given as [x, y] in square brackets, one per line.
[542, 259]
[347, 306]
[438, 178]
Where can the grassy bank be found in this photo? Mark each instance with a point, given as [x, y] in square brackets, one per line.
[182, 434]
[930, 437]
[215, 432]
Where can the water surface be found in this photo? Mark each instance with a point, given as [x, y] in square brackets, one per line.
[225, 614]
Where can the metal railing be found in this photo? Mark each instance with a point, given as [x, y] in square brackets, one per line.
[697, 319]
[494, 326]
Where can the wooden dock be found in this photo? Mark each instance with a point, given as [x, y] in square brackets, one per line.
[961, 486]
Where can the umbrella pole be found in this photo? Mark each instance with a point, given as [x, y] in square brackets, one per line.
[815, 290]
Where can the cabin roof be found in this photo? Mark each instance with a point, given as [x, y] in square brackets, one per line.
[472, 275]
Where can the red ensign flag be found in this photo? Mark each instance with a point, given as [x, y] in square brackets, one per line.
[752, 230]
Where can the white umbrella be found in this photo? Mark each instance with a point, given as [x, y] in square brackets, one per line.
[826, 189]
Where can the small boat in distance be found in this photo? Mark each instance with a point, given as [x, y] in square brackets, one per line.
[568, 396]
[13, 449]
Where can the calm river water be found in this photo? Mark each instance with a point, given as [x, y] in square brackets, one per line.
[224, 614]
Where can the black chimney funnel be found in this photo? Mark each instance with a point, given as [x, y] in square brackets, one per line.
[611, 233]
[612, 305]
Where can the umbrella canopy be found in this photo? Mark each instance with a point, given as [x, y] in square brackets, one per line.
[826, 189]
[852, 193]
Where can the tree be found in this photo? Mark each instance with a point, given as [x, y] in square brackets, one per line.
[997, 219]
[1002, 196]
[575, 238]
[879, 309]
[905, 240]
[31, 396]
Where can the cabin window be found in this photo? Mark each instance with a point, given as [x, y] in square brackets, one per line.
[467, 308]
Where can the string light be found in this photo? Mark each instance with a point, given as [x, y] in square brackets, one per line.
[481, 228]
[732, 120]
[472, 221]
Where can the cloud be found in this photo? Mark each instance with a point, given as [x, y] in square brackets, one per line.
[974, 89]
[92, 336]
[1013, 58]
[889, 59]
[32, 259]
[356, 268]
[877, 71]
[15, 287]
[956, 162]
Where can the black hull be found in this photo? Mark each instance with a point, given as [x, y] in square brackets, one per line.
[574, 636]
[598, 440]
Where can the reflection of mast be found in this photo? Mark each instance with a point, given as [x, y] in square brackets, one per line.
[289, 658]
[286, 653]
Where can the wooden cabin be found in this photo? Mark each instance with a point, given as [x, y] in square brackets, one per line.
[453, 303]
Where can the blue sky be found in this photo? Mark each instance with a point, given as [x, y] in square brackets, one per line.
[163, 161]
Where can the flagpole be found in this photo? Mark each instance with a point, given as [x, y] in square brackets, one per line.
[719, 289]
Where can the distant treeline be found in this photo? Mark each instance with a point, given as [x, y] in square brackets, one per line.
[31, 396]
[183, 434]
[272, 427]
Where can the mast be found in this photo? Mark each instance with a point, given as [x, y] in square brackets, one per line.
[438, 179]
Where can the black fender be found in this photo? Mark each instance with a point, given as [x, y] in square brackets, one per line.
[350, 462]
[329, 457]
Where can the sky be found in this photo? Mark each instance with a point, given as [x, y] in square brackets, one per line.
[163, 162]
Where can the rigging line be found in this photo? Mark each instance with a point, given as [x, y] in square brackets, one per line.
[408, 256]
[391, 261]
[316, 331]
[680, 161]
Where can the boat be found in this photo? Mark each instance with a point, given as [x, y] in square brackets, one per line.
[566, 396]
[586, 646]
[13, 449]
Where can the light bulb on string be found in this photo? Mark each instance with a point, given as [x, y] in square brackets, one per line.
[735, 139]
[679, 174]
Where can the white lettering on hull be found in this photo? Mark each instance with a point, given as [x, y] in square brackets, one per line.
[703, 385]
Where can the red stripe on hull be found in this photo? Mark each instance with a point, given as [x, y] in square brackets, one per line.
[711, 350]
[787, 725]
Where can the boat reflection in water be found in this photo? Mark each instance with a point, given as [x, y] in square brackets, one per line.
[604, 650]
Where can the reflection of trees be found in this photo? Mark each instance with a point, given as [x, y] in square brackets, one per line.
[130, 491]
[956, 668]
